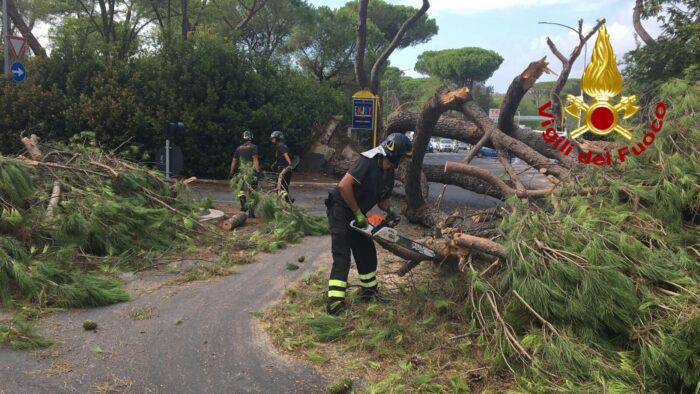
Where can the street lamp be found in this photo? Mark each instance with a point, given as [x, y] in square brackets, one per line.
[585, 53]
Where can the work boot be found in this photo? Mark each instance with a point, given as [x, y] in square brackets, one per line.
[335, 306]
[370, 294]
[242, 200]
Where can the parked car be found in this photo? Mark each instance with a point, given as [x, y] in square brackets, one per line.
[487, 152]
[456, 146]
[462, 146]
[444, 145]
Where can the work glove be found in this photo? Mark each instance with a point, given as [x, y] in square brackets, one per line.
[360, 219]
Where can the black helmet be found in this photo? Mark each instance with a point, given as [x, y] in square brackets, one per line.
[277, 134]
[247, 135]
[396, 146]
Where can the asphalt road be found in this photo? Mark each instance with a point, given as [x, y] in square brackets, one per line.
[218, 347]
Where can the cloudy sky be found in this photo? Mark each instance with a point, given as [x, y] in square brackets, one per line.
[510, 27]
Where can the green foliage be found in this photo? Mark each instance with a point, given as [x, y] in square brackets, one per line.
[21, 335]
[214, 88]
[326, 328]
[675, 53]
[461, 67]
[103, 222]
[616, 273]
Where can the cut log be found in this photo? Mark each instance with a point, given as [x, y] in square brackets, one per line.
[234, 221]
[482, 244]
[32, 146]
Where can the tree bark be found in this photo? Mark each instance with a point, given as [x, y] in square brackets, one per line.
[185, 19]
[468, 132]
[417, 209]
[18, 21]
[361, 45]
[520, 149]
[637, 22]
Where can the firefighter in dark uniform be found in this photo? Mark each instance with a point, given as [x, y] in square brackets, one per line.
[246, 153]
[282, 161]
[368, 182]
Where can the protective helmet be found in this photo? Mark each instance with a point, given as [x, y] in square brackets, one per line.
[247, 135]
[277, 134]
[396, 146]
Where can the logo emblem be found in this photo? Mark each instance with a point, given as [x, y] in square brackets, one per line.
[602, 81]
[390, 145]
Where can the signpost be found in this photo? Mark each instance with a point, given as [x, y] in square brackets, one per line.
[5, 52]
[18, 44]
[169, 159]
[365, 113]
[18, 71]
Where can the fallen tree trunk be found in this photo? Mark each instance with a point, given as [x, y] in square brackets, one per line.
[468, 132]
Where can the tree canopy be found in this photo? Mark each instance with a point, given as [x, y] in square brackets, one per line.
[462, 66]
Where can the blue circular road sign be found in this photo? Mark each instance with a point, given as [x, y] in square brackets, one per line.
[18, 71]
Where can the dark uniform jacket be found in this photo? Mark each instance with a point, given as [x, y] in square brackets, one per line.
[372, 186]
[280, 161]
[246, 152]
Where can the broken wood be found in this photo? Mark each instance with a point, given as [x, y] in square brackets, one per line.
[105, 167]
[53, 202]
[517, 90]
[32, 146]
[482, 244]
[234, 221]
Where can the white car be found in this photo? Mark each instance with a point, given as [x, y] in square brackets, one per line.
[444, 145]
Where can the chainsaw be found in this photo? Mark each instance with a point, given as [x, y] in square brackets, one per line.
[382, 230]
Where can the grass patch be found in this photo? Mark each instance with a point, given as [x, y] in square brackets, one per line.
[402, 346]
[144, 313]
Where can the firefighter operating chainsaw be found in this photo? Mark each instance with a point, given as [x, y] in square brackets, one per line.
[368, 182]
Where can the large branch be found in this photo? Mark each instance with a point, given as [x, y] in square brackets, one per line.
[26, 31]
[376, 69]
[637, 22]
[468, 132]
[250, 12]
[417, 209]
[516, 91]
[361, 45]
[473, 112]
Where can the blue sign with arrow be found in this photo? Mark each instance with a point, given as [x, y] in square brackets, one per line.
[18, 71]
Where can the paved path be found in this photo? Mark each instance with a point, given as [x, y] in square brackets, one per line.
[218, 348]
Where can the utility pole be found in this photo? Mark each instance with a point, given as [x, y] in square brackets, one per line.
[5, 52]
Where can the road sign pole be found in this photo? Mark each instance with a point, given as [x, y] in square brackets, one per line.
[167, 159]
[5, 52]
